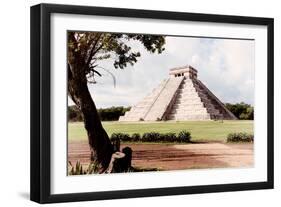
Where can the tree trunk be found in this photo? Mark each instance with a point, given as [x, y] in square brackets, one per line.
[101, 147]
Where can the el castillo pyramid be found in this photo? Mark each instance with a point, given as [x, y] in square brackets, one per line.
[181, 97]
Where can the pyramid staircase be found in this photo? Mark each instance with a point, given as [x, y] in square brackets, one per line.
[153, 106]
[182, 98]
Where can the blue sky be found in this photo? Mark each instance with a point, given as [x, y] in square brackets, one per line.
[225, 66]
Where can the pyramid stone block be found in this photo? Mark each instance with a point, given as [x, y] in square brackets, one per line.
[182, 97]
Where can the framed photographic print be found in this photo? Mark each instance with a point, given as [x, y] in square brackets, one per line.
[132, 103]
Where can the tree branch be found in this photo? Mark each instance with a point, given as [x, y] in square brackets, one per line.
[92, 50]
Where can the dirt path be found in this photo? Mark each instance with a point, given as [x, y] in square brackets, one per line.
[176, 157]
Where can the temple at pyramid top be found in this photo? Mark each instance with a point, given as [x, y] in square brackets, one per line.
[181, 97]
[187, 71]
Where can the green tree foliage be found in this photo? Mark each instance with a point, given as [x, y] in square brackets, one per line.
[241, 110]
[112, 113]
[106, 114]
[88, 48]
[85, 50]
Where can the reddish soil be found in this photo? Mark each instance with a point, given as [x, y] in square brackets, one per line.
[176, 157]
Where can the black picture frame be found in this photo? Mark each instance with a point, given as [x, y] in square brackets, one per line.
[41, 96]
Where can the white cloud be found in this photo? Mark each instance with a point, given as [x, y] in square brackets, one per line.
[225, 66]
[230, 70]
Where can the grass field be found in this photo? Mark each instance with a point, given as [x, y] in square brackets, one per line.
[200, 130]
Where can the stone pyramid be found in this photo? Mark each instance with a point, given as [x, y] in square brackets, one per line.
[181, 97]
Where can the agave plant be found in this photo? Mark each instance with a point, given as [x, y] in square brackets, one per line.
[78, 168]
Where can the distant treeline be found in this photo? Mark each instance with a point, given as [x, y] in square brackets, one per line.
[106, 114]
[241, 110]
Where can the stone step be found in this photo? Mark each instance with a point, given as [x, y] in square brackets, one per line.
[178, 116]
[138, 111]
[186, 111]
[184, 86]
[192, 103]
[191, 106]
[187, 99]
[188, 104]
[188, 94]
[217, 116]
[188, 84]
[190, 88]
[203, 95]
[210, 109]
[159, 107]
[187, 80]
[190, 117]
[213, 111]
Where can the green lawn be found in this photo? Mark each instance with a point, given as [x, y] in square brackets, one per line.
[200, 130]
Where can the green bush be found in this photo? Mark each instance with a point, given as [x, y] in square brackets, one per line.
[136, 137]
[150, 137]
[184, 136]
[121, 136]
[240, 137]
[105, 114]
[169, 137]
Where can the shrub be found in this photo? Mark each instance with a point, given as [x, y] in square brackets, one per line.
[150, 137]
[78, 168]
[184, 136]
[136, 137]
[168, 137]
[240, 137]
[121, 136]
